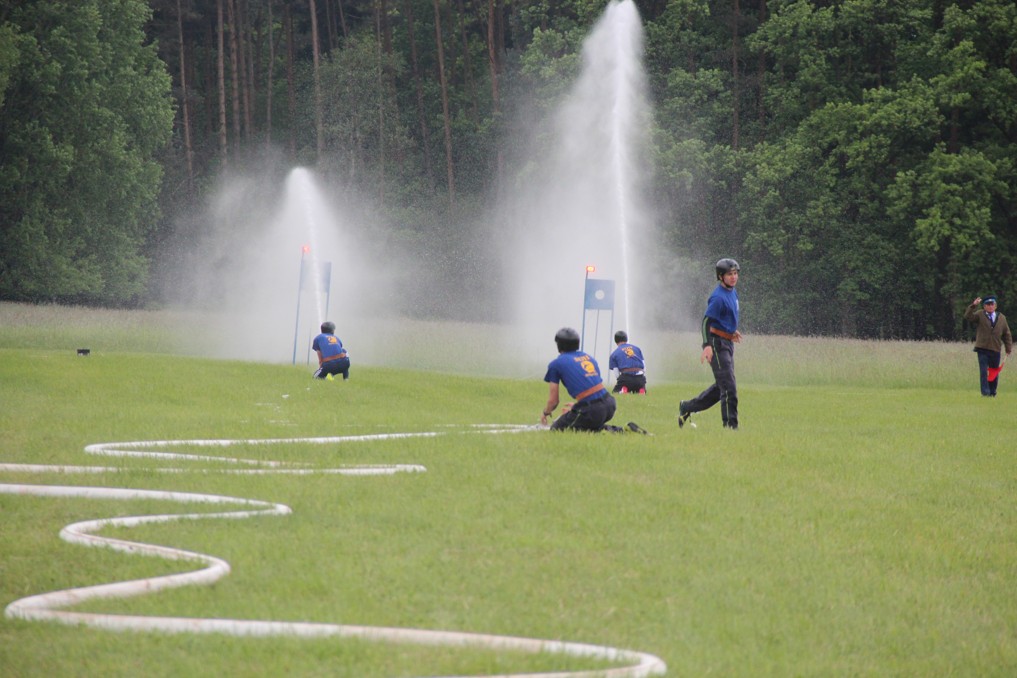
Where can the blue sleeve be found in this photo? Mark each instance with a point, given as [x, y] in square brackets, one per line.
[552, 376]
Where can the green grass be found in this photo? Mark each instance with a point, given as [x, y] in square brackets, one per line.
[860, 523]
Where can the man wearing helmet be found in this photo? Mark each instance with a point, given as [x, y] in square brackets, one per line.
[720, 334]
[332, 357]
[628, 360]
[580, 373]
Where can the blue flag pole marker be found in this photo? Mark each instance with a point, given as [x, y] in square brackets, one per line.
[599, 295]
[326, 283]
[322, 281]
[315, 276]
[325, 279]
[324, 269]
[300, 286]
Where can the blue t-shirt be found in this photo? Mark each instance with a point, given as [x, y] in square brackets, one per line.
[329, 345]
[626, 357]
[579, 372]
[722, 308]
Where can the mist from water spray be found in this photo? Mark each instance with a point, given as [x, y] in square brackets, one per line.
[246, 268]
[304, 231]
[616, 47]
[586, 206]
[303, 198]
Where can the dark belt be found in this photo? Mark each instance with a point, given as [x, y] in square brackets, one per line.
[630, 370]
[722, 334]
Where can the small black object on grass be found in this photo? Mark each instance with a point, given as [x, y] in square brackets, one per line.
[84, 351]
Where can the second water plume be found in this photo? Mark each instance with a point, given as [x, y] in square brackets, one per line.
[586, 204]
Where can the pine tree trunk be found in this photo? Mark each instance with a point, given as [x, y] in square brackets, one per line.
[223, 148]
[761, 70]
[184, 106]
[735, 96]
[209, 77]
[234, 71]
[315, 51]
[247, 54]
[471, 90]
[380, 75]
[492, 57]
[446, 116]
[330, 26]
[270, 75]
[425, 137]
[495, 68]
[291, 92]
[342, 20]
[385, 26]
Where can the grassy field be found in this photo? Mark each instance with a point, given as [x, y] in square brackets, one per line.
[861, 522]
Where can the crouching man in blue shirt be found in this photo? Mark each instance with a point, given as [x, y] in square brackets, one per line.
[333, 358]
[580, 373]
[628, 360]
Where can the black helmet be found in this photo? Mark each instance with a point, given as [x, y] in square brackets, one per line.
[620, 337]
[328, 327]
[726, 266]
[567, 339]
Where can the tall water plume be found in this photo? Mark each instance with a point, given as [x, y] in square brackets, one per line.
[586, 203]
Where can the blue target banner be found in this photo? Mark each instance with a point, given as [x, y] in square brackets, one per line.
[324, 275]
[599, 295]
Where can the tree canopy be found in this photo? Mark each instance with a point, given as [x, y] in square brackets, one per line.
[856, 156]
[86, 108]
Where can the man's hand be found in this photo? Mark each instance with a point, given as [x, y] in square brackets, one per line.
[707, 355]
[977, 301]
[737, 337]
[552, 403]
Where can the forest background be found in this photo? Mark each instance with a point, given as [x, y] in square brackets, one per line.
[859, 157]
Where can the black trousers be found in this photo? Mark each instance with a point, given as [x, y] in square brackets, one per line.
[633, 382]
[587, 415]
[987, 359]
[333, 367]
[724, 389]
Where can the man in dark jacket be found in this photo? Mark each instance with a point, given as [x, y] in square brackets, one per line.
[992, 335]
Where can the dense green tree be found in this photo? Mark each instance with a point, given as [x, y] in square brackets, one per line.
[85, 109]
[815, 207]
[859, 156]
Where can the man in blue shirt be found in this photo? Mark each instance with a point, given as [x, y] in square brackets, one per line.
[628, 360]
[720, 334]
[332, 357]
[580, 373]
